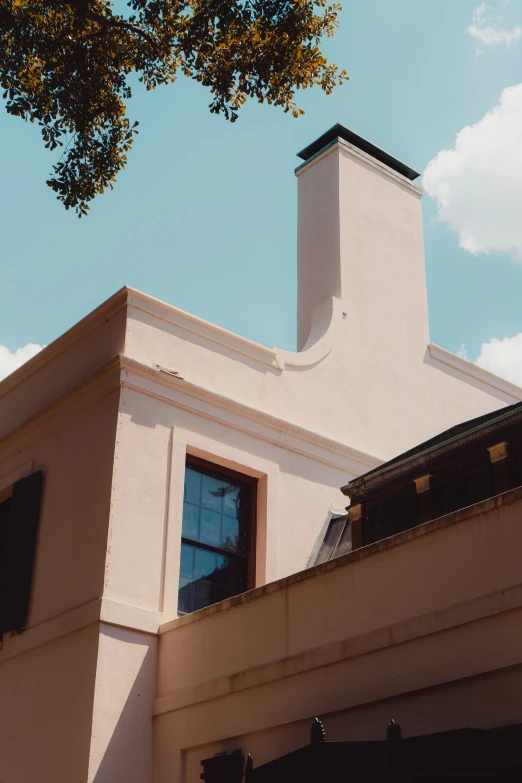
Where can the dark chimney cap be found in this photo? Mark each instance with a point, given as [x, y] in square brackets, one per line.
[340, 132]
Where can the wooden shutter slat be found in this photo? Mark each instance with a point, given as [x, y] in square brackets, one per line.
[19, 552]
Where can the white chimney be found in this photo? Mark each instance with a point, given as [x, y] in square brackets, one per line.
[360, 239]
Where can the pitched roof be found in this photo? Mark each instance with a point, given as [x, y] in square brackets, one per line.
[455, 434]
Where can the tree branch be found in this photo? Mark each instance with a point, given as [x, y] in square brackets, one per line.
[124, 25]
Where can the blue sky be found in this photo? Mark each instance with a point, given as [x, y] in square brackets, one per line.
[204, 216]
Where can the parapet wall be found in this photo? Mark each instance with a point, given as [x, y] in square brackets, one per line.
[417, 614]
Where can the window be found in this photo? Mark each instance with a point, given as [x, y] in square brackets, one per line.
[337, 539]
[19, 519]
[217, 539]
[5, 508]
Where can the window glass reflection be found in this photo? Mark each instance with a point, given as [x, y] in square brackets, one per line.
[216, 512]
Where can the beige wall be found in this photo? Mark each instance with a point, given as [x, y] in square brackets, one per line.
[47, 674]
[65, 364]
[153, 439]
[366, 375]
[46, 708]
[110, 411]
[422, 620]
[76, 456]
[121, 742]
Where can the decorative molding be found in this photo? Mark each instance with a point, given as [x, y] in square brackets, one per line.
[280, 432]
[326, 320]
[422, 484]
[100, 610]
[116, 373]
[127, 297]
[15, 474]
[498, 452]
[70, 621]
[67, 340]
[354, 152]
[89, 390]
[468, 368]
[319, 345]
[209, 331]
[355, 513]
[128, 616]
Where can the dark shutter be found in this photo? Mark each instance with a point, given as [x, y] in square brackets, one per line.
[19, 552]
[5, 510]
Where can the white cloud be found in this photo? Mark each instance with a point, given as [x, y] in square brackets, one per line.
[478, 184]
[12, 360]
[501, 357]
[487, 30]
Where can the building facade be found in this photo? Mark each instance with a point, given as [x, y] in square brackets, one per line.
[183, 464]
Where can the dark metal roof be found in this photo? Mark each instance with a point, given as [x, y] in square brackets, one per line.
[340, 132]
[460, 432]
[458, 754]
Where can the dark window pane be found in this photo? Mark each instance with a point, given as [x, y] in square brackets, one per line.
[222, 570]
[190, 521]
[187, 561]
[192, 486]
[331, 539]
[231, 501]
[345, 544]
[205, 563]
[216, 513]
[185, 598]
[212, 491]
[215, 578]
[202, 594]
[210, 529]
[230, 535]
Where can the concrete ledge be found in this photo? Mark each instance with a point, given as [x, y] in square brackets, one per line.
[474, 371]
[49, 631]
[209, 331]
[128, 616]
[456, 517]
[383, 638]
[100, 610]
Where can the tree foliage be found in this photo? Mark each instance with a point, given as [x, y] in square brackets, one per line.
[64, 64]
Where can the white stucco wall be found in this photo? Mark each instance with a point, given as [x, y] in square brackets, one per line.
[47, 674]
[367, 375]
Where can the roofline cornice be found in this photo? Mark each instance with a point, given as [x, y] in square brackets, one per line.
[162, 384]
[353, 152]
[67, 340]
[280, 428]
[423, 460]
[196, 325]
[104, 380]
[344, 134]
[474, 371]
